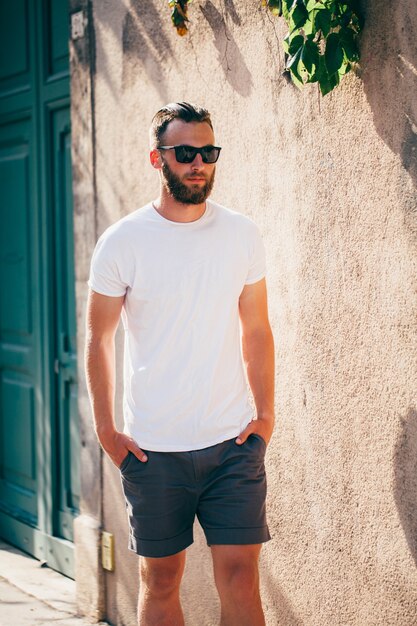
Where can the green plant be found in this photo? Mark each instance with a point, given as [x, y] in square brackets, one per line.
[322, 41]
[179, 16]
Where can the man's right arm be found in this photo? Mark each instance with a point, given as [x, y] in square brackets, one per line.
[103, 315]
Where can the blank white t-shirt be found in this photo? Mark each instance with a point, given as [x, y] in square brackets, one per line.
[184, 380]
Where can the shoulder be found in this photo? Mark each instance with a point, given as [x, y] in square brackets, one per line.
[125, 229]
[237, 220]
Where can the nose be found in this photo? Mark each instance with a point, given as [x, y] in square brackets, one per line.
[198, 160]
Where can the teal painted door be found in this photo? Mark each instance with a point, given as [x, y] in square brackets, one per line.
[39, 440]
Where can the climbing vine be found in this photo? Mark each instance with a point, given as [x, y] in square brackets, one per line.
[179, 17]
[322, 40]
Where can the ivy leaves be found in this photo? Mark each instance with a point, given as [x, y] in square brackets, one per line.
[179, 16]
[322, 42]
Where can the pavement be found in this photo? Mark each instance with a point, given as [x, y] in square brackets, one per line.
[32, 594]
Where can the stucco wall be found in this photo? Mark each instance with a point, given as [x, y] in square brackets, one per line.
[332, 184]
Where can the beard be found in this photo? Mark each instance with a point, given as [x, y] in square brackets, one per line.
[194, 194]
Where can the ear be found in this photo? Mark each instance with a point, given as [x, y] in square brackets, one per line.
[155, 159]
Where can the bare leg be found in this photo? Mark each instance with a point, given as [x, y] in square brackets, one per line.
[237, 580]
[159, 600]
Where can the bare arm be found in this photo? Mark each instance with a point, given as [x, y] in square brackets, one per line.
[258, 355]
[103, 315]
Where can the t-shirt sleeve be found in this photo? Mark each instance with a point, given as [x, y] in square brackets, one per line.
[109, 269]
[257, 265]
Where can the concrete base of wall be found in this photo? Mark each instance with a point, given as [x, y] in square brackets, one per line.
[88, 571]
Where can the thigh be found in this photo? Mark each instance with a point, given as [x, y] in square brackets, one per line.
[231, 508]
[160, 502]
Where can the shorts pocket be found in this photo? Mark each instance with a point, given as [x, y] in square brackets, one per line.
[259, 438]
[124, 464]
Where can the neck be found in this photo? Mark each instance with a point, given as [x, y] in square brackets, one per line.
[177, 211]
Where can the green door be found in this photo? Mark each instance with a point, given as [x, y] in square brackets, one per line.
[39, 440]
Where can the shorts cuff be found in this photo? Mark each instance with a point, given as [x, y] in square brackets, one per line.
[161, 547]
[236, 536]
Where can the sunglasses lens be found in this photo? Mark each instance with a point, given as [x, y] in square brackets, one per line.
[185, 154]
[210, 154]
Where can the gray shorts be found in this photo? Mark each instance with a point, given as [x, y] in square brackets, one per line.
[224, 485]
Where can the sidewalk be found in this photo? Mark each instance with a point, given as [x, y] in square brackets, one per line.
[32, 595]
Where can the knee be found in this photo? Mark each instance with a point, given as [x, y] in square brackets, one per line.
[160, 579]
[239, 578]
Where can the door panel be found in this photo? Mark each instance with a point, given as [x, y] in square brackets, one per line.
[19, 323]
[15, 309]
[56, 39]
[14, 46]
[18, 479]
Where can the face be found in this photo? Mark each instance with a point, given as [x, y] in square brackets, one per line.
[188, 183]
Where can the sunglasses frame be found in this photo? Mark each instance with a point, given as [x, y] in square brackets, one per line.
[197, 151]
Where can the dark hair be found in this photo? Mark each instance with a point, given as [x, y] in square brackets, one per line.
[172, 111]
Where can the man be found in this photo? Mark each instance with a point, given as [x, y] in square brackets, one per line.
[181, 272]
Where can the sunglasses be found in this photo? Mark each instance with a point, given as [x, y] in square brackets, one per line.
[187, 154]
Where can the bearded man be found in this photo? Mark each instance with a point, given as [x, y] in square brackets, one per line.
[187, 277]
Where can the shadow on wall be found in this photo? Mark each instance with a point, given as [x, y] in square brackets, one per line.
[283, 612]
[389, 62]
[405, 479]
[229, 56]
[144, 39]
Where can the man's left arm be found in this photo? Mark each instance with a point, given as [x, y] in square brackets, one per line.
[259, 358]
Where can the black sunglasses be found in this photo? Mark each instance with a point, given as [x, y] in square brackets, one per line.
[187, 154]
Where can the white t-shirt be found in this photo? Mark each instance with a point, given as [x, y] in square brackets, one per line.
[184, 380]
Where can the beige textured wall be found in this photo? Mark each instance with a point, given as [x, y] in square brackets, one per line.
[332, 184]
[87, 527]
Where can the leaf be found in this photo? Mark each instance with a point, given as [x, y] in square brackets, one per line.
[333, 53]
[181, 12]
[307, 59]
[327, 85]
[303, 57]
[286, 43]
[294, 44]
[275, 6]
[309, 27]
[299, 16]
[322, 21]
[348, 42]
[293, 61]
[326, 82]
[286, 9]
[179, 15]
[296, 79]
[343, 7]
[344, 69]
[310, 55]
[312, 4]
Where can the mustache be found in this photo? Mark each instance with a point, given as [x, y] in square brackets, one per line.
[196, 175]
